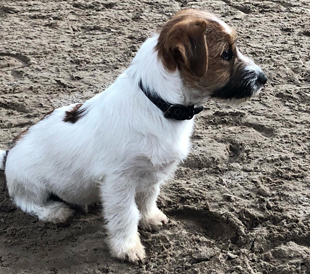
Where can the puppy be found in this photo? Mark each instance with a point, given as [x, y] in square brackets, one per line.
[122, 144]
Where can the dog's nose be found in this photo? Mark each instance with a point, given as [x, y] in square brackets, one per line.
[261, 78]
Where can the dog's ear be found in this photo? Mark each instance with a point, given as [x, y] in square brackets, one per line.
[191, 48]
[184, 44]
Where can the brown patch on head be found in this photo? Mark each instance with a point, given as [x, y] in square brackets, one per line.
[219, 69]
[193, 41]
[74, 114]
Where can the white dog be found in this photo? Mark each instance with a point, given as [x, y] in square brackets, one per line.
[121, 145]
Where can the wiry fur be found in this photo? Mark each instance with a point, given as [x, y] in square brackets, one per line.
[118, 152]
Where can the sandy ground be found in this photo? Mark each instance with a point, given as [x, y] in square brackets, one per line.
[239, 204]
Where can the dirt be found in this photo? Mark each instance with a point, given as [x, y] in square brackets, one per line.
[239, 204]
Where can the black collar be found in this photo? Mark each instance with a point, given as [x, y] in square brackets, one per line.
[171, 111]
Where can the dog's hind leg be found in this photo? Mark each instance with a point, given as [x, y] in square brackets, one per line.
[35, 201]
[152, 218]
[51, 211]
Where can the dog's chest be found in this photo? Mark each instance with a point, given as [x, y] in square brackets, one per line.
[146, 172]
[161, 160]
[165, 149]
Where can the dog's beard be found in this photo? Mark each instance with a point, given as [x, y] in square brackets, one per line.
[241, 86]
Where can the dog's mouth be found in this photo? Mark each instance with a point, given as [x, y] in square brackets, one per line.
[242, 86]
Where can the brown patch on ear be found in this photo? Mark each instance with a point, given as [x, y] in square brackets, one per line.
[182, 43]
[74, 114]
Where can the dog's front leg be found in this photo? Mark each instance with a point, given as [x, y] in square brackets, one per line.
[122, 216]
[152, 218]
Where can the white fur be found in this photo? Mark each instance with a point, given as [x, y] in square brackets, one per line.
[119, 152]
[226, 28]
[250, 65]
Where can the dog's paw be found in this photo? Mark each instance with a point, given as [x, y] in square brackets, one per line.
[136, 253]
[154, 222]
[132, 252]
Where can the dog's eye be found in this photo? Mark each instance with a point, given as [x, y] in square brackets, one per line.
[227, 54]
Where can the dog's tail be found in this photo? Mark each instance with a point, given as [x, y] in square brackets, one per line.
[3, 155]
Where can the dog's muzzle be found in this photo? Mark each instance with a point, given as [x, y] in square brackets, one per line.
[243, 84]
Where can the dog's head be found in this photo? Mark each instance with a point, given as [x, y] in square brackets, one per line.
[203, 49]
